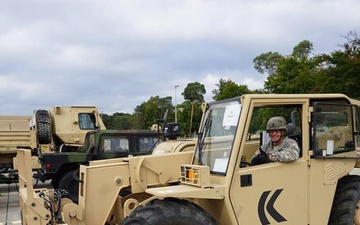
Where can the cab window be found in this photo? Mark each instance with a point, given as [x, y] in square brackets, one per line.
[87, 121]
[116, 144]
[146, 144]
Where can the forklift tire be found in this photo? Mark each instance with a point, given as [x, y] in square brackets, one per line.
[43, 127]
[169, 211]
[346, 206]
[68, 183]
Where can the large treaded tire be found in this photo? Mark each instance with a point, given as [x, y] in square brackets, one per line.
[346, 200]
[43, 127]
[169, 212]
[68, 183]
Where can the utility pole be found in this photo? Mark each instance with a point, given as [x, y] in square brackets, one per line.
[176, 86]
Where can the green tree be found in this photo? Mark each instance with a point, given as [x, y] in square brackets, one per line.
[184, 113]
[122, 121]
[267, 62]
[229, 89]
[341, 68]
[149, 112]
[193, 92]
[107, 120]
[295, 73]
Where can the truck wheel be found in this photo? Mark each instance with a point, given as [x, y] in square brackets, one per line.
[43, 127]
[68, 183]
[169, 211]
[345, 209]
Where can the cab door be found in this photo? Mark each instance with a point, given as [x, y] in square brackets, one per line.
[271, 193]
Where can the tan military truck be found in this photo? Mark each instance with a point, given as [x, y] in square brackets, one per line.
[61, 128]
[217, 184]
[14, 133]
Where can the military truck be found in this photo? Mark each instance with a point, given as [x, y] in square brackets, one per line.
[61, 128]
[14, 134]
[217, 184]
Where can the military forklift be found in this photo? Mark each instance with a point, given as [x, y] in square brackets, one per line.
[217, 184]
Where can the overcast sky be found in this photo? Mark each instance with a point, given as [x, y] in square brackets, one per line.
[117, 54]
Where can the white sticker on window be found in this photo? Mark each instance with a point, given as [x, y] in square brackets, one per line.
[231, 115]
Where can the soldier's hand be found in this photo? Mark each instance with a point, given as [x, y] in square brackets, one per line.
[261, 157]
[264, 156]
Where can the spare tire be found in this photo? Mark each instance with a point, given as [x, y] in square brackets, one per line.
[43, 127]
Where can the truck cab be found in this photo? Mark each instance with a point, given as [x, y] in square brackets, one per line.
[63, 128]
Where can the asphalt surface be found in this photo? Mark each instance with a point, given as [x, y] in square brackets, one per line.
[9, 203]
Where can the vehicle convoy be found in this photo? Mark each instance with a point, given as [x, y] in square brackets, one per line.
[61, 168]
[61, 128]
[217, 183]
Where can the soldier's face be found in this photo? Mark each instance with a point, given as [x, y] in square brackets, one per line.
[275, 135]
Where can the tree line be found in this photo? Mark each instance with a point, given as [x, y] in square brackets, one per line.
[299, 72]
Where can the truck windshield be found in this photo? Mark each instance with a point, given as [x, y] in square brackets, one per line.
[217, 134]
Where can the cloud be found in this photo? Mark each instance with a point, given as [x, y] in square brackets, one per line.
[117, 54]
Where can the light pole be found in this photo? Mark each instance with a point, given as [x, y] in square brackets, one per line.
[176, 86]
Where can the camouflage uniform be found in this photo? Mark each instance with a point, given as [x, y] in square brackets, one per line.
[287, 151]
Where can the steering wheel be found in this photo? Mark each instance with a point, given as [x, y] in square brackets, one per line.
[244, 163]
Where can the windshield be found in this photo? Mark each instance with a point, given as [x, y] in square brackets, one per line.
[217, 134]
[87, 121]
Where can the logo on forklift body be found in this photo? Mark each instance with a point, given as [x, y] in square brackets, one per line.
[269, 207]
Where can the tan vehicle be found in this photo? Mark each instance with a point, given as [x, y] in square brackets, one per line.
[63, 128]
[217, 184]
[14, 134]
[173, 142]
[172, 146]
[54, 130]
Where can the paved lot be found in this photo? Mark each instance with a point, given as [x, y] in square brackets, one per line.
[9, 203]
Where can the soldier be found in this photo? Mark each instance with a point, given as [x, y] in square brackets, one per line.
[280, 148]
